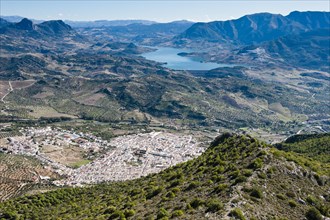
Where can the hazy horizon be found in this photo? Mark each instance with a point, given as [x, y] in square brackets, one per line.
[31, 18]
[159, 11]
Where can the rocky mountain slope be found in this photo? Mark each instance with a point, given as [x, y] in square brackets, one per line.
[46, 37]
[237, 177]
[308, 49]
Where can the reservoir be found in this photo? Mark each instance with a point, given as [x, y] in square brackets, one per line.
[170, 56]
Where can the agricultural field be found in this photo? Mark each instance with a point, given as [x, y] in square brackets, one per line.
[46, 111]
[19, 174]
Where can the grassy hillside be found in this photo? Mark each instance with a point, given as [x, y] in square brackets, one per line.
[316, 146]
[237, 177]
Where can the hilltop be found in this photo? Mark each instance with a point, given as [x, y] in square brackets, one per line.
[237, 177]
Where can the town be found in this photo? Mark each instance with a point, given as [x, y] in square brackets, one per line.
[72, 155]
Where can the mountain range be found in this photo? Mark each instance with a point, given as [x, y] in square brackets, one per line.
[56, 28]
[256, 28]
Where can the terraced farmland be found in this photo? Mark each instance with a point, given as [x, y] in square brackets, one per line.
[19, 174]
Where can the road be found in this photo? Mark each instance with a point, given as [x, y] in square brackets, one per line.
[11, 89]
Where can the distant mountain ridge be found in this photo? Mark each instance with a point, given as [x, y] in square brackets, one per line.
[106, 23]
[4, 23]
[84, 24]
[49, 28]
[256, 28]
[15, 19]
[46, 37]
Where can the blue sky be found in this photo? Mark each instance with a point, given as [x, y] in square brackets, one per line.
[161, 11]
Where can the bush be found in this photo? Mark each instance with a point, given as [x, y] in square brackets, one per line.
[234, 174]
[176, 182]
[312, 200]
[176, 190]
[195, 203]
[214, 205]
[291, 194]
[129, 213]
[9, 216]
[117, 215]
[155, 191]
[193, 185]
[256, 193]
[162, 213]
[247, 172]
[292, 203]
[281, 196]
[237, 213]
[262, 175]
[177, 213]
[256, 164]
[240, 179]
[221, 187]
[170, 195]
[110, 209]
[313, 214]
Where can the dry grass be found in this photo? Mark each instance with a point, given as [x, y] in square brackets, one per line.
[45, 111]
[22, 84]
[67, 155]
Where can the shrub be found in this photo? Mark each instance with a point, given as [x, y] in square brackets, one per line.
[281, 196]
[135, 192]
[234, 174]
[247, 172]
[177, 213]
[291, 194]
[9, 215]
[176, 190]
[162, 213]
[312, 200]
[256, 164]
[292, 203]
[188, 206]
[240, 179]
[221, 187]
[193, 185]
[271, 170]
[110, 210]
[255, 192]
[195, 203]
[313, 214]
[214, 205]
[237, 213]
[176, 182]
[219, 169]
[155, 191]
[170, 195]
[262, 175]
[117, 214]
[129, 213]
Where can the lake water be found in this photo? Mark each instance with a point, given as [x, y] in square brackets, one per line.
[170, 56]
